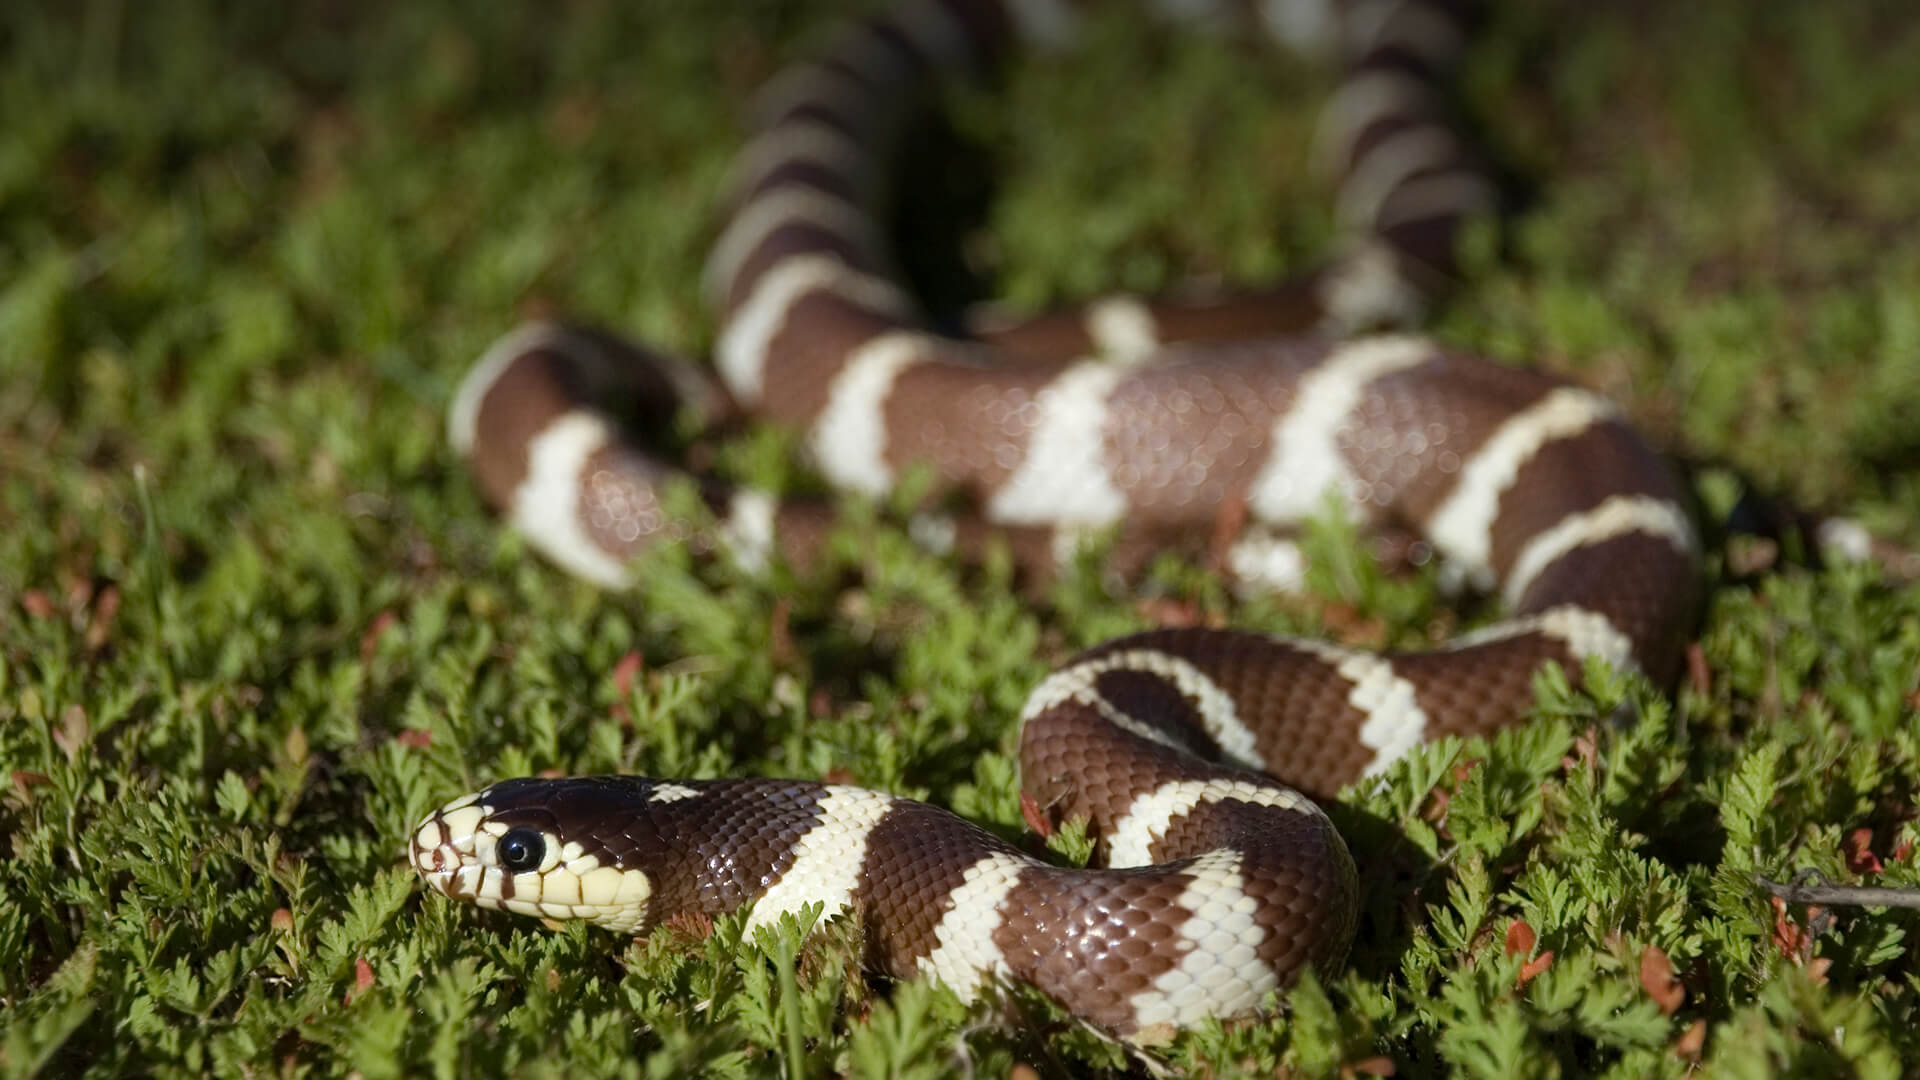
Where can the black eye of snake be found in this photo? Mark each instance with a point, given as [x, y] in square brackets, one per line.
[522, 850]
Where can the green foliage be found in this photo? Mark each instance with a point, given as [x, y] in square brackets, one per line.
[254, 621]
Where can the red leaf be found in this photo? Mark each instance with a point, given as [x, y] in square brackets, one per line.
[24, 780]
[1690, 1044]
[362, 979]
[623, 672]
[1036, 818]
[1790, 937]
[1657, 979]
[1586, 750]
[1859, 852]
[1533, 968]
[1520, 938]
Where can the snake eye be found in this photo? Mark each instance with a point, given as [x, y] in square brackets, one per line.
[521, 850]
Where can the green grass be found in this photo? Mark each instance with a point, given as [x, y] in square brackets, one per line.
[254, 620]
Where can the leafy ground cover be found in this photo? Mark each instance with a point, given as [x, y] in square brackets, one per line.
[254, 621]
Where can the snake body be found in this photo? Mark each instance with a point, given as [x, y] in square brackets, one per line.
[1186, 750]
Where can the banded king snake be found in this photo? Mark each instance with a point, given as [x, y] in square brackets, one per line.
[1192, 752]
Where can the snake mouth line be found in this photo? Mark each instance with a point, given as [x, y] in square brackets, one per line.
[435, 859]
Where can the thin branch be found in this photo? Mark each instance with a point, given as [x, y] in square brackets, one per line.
[1813, 887]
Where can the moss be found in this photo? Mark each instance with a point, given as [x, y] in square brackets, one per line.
[256, 622]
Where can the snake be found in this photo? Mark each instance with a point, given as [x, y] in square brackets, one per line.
[1214, 424]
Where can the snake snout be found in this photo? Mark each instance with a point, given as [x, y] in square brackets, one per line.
[443, 849]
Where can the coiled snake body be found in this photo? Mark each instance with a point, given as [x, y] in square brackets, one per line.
[1186, 749]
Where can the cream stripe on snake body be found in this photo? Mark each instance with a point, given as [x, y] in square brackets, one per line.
[830, 87]
[1586, 634]
[964, 955]
[1218, 713]
[740, 354]
[1358, 103]
[464, 412]
[1219, 971]
[815, 331]
[1618, 516]
[1462, 528]
[1394, 722]
[1146, 821]
[828, 858]
[1122, 328]
[850, 442]
[1076, 685]
[840, 93]
[1366, 289]
[1063, 478]
[547, 508]
[1390, 164]
[1305, 462]
[778, 207]
[800, 142]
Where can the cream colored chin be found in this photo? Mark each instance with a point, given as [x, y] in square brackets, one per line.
[605, 896]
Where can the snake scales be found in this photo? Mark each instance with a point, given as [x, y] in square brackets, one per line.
[1187, 750]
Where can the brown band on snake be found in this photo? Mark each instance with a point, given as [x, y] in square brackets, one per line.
[940, 413]
[915, 863]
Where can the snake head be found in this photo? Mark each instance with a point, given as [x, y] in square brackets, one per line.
[503, 848]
